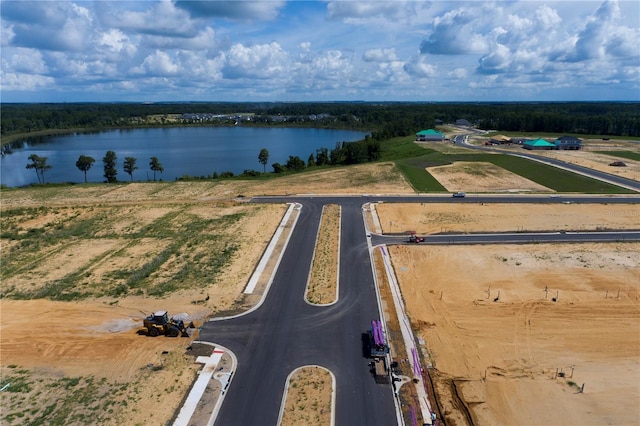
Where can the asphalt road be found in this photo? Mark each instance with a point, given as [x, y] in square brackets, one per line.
[286, 333]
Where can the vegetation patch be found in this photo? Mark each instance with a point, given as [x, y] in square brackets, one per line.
[323, 278]
[44, 397]
[308, 397]
[80, 252]
[630, 155]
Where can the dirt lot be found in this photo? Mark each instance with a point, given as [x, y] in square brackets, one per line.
[500, 356]
[495, 360]
[431, 218]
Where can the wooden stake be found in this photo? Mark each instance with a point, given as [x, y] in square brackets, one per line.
[546, 291]
[582, 388]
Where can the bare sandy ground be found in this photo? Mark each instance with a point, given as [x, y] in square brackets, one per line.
[98, 337]
[502, 355]
[485, 177]
[430, 218]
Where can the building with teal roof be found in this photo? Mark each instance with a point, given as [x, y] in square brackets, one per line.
[538, 144]
[429, 136]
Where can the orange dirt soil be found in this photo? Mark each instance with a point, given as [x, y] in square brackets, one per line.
[493, 331]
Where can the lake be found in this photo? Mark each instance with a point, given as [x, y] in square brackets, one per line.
[193, 151]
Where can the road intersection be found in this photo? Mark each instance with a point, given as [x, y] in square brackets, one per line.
[285, 332]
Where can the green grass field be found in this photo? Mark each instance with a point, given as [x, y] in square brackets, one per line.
[629, 155]
[403, 151]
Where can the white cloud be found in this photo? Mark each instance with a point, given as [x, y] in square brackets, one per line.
[312, 50]
[457, 32]
[157, 64]
[162, 19]
[418, 67]
[26, 61]
[24, 82]
[6, 33]
[258, 61]
[379, 55]
[115, 44]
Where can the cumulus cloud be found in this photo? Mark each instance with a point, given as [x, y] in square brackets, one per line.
[157, 64]
[24, 82]
[6, 33]
[379, 55]
[238, 10]
[115, 43]
[162, 19]
[456, 32]
[24, 60]
[57, 26]
[258, 61]
[603, 35]
[420, 68]
[313, 50]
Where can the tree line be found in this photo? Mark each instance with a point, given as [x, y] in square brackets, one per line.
[385, 120]
[84, 164]
[344, 153]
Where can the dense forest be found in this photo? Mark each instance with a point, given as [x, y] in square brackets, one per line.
[384, 120]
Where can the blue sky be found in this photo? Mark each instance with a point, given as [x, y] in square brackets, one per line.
[70, 51]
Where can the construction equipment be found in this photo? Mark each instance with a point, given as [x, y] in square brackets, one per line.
[378, 351]
[413, 238]
[160, 323]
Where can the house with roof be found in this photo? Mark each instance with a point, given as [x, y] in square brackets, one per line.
[463, 122]
[538, 144]
[429, 136]
[499, 140]
[568, 142]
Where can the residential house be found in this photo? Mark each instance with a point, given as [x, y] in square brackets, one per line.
[568, 142]
[429, 136]
[538, 144]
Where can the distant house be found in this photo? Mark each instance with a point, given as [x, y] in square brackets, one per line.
[429, 136]
[568, 142]
[439, 122]
[499, 140]
[538, 144]
[463, 122]
[519, 141]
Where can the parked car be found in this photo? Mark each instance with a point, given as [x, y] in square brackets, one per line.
[458, 194]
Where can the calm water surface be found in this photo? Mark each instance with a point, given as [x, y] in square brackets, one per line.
[193, 151]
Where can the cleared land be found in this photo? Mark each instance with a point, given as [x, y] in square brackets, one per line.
[498, 358]
[431, 218]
